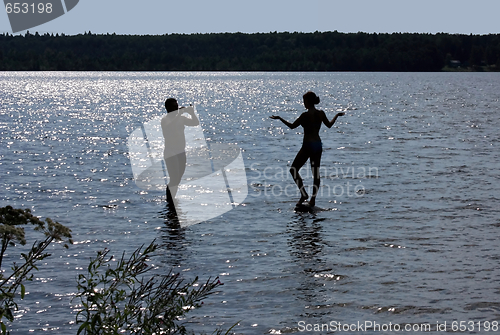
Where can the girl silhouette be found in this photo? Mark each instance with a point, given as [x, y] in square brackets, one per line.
[312, 147]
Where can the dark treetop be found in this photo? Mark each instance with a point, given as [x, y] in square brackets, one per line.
[319, 51]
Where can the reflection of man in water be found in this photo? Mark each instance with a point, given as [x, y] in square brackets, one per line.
[174, 154]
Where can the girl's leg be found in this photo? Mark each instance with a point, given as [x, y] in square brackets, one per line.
[315, 164]
[298, 162]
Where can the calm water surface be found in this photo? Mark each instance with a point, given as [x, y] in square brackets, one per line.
[409, 222]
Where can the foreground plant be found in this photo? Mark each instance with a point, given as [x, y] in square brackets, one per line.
[119, 299]
[12, 222]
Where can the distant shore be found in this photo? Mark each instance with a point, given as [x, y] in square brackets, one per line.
[319, 51]
[490, 68]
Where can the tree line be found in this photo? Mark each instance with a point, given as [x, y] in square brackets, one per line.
[319, 51]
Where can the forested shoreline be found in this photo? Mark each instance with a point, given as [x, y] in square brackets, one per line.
[319, 51]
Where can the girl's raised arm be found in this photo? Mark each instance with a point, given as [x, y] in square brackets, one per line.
[290, 125]
[327, 123]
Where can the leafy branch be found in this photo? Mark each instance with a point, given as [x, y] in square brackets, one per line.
[120, 299]
[115, 299]
[12, 222]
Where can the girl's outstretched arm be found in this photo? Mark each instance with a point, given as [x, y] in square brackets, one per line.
[290, 125]
[329, 124]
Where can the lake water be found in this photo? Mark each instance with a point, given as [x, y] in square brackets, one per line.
[409, 226]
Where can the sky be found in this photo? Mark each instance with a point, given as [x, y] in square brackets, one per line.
[158, 17]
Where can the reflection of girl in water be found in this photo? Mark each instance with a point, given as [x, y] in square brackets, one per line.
[311, 145]
[172, 126]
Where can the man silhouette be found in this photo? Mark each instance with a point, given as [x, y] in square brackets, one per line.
[174, 154]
